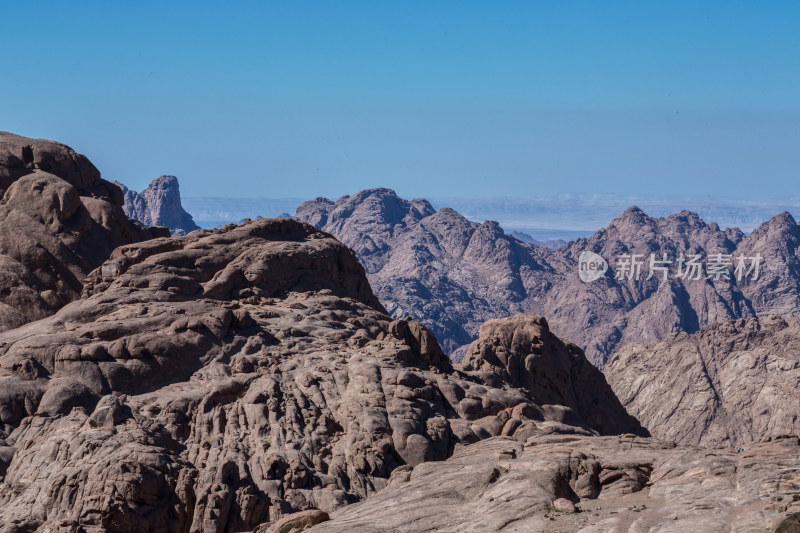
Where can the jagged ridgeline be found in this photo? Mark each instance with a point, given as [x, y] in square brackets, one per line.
[453, 274]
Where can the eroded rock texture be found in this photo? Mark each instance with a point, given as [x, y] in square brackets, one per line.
[159, 205]
[58, 221]
[453, 274]
[618, 484]
[224, 379]
[730, 384]
[522, 351]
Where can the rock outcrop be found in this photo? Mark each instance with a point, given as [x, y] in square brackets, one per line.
[453, 274]
[225, 379]
[620, 484]
[524, 353]
[159, 205]
[58, 221]
[730, 384]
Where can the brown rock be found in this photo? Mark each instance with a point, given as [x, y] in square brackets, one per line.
[730, 384]
[523, 352]
[622, 485]
[58, 221]
[227, 378]
[563, 505]
[295, 523]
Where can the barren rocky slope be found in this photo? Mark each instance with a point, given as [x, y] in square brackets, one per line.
[58, 221]
[617, 484]
[159, 205]
[453, 274]
[217, 381]
[730, 384]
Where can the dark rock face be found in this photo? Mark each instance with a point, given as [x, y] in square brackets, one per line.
[618, 483]
[220, 380]
[730, 384]
[58, 221]
[159, 205]
[453, 274]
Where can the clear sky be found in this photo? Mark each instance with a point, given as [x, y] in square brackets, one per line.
[303, 99]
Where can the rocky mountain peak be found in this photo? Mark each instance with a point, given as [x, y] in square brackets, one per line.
[453, 274]
[225, 378]
[159, 205]
[20, 156]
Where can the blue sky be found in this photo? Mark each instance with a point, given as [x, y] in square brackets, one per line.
[474, 99]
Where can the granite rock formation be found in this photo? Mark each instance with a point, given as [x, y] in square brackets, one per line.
[730, 384]
[159, 205]
[453, 274]
[620, 484]
[58, 221]
[523, 352]
[222, 380]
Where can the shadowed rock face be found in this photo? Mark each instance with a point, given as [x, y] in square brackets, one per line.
[220, 380]
[621, 484]
[730, 384]
[453, 274]
[58, 221]
[159, 205]
[523, 352]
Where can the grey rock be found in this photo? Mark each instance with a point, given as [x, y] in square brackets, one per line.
[159, 205]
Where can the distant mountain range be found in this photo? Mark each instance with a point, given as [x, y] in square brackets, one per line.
[565, 217]
[453, 274]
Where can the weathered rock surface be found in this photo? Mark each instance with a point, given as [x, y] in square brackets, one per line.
[522, 351]
[730, 384]
[619, 484]
[58, 221]
[453, 274]
[224, 379]
[159, 205]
